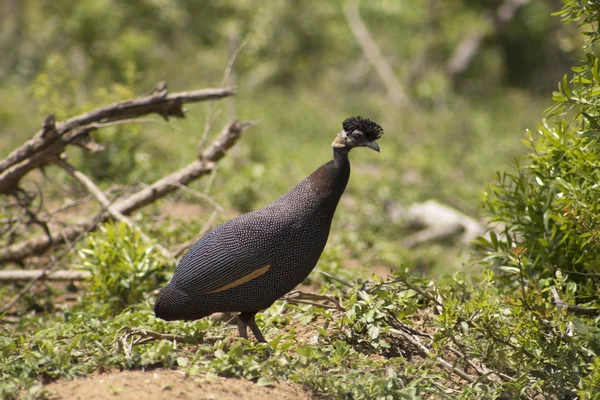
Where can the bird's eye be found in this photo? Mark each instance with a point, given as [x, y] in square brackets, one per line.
[356, 136]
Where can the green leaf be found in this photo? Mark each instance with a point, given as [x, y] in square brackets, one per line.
[182, 361]
[264, 381]
[373, 332]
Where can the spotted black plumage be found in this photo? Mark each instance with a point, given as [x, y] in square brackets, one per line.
[247, 263]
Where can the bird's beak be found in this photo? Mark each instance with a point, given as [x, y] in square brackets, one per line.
[372, 145]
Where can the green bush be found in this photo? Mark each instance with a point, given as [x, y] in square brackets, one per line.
[124, 268]
[549, 207]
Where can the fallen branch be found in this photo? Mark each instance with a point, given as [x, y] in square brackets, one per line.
[300, 297]
[27, 274]
[104, 202]
[127, 337]
[427, 353]
[217, 149]
[49, 267]
[52, 139]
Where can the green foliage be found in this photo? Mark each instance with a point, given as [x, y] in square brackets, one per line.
[124, 268]
[362, 353]
[549, 206]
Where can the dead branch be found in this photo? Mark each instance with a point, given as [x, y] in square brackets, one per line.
[51, 265]
[208, 159]
[52, 139]
[300, 297]
[426, 352]
[28, 274]
[104, 202]
[217, 149]
[373, 54]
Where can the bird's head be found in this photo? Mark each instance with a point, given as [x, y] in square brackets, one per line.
[358, 132]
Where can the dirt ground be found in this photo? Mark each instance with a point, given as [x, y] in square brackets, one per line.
[169, 385]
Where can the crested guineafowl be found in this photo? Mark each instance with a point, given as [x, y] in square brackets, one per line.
[247, 263]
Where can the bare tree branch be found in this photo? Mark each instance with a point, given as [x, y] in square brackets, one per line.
[373, 54]
[28, 274]
[104, 202]
[217, 149]
[51, 265]
[52, 139]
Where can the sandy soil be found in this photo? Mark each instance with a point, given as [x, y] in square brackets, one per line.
[169, 385]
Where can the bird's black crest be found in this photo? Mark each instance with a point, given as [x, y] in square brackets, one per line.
[370, 129]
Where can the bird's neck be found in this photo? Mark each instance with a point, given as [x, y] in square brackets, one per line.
[331, 178]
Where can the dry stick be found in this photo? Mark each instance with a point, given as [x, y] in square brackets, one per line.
[66, 206]
[445, 364]
[306, 297]
[217, 150]
[27, 274]
[53, 263]
[373, 54]
[334, 278]
[52, 139]
[483, 370]
[420, 291]
[196, 193]
[104, 202]
[440, 360]
[180, 249]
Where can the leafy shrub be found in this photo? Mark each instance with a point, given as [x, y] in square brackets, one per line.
[124, 268]
[549, 206]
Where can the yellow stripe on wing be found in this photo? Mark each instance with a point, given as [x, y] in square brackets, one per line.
[252, 275]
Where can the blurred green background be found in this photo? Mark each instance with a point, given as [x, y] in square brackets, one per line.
[300, 72]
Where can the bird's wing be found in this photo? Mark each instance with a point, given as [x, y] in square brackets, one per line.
[218, 262]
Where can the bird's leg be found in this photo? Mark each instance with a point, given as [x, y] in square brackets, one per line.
[246, 319]
[242, 327]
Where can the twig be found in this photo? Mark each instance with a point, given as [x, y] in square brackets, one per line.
[27, 274]
[127, 337]
[52, 139]
[298, 296]
[334, 278]
[66, 206]
[104, 202]
[231, 61]
[445, 364]
[217, 150]
[373, 54]
[418, 290]
[196, 193]
[50, 266]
